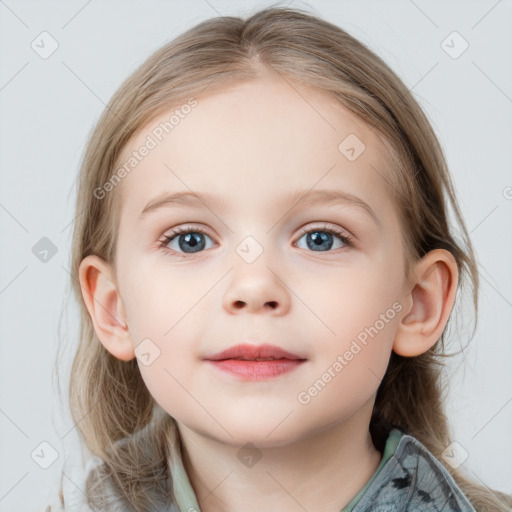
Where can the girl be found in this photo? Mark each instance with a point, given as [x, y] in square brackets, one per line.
[266, 272]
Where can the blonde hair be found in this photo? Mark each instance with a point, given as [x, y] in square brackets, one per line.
[115, 414]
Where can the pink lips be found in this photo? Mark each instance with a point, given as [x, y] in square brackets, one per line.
[246, 351]
[250, 362]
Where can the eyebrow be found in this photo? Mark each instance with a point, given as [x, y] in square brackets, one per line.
[304, 198]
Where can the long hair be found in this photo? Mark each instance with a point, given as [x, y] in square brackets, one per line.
[115, 414]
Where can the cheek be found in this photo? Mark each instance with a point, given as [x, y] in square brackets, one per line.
[156, 299]
[348, 371]
[354, 299]
[165, 315]
[168, 385]
[362, 315]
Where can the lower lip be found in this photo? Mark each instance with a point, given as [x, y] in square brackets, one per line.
[257, 370]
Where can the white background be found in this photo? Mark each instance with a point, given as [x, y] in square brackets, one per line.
[48, 107]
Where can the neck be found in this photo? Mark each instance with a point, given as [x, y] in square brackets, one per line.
[323, 471]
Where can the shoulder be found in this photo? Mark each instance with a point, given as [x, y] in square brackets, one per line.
[75, 499]
[413, 479]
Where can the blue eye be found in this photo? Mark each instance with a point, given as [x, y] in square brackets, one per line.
[321, 239]
[189, 240]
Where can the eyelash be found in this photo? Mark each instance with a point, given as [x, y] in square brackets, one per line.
[340, 233]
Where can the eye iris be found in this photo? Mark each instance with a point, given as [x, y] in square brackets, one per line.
[317, 238]
[195, 240]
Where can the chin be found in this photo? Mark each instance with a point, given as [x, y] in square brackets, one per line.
[262, 434]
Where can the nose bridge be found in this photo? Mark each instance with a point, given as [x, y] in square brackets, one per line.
[254, 284]
[253, 235]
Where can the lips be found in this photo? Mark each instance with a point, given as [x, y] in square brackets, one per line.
[255, 363]
[247, 352]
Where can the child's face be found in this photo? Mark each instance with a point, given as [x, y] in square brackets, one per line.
[257, 280]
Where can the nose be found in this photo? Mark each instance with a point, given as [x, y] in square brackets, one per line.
[256, 288]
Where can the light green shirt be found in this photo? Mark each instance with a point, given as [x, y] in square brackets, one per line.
[408, 477]
[186, 497]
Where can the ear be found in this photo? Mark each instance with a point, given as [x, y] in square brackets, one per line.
[434, 288]
[105, 306]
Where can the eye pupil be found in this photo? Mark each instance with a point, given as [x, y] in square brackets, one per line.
[317, 238]
[192, 239]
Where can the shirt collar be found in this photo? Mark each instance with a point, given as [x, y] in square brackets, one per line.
[186, 498]
[182, 488]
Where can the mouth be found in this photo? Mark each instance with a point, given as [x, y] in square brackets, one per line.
[256, 370]
[254, 363]
[248, 352]
[248, 359]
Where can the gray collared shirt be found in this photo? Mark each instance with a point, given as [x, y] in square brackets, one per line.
[408, 478]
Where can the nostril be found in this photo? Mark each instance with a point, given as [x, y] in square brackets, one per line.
[239, 304]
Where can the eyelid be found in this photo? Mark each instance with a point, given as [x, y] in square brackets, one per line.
[324, 225]
[343, 234]
[306, 228]
[171, 233]
[346, 237]
[181, 228]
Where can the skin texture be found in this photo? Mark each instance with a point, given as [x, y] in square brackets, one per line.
[252, 144]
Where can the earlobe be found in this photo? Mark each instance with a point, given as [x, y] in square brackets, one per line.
[432, 298]
[105, 307]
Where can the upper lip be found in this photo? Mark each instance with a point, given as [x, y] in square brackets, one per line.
[252, 352]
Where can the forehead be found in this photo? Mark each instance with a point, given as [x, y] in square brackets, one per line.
[252, 140]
